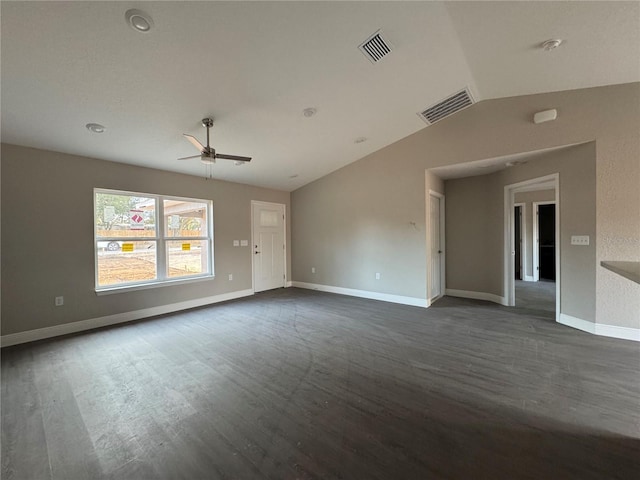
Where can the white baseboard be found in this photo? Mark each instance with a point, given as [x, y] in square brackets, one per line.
[288, 284]
[82, 325]
[490, 297]
[385, 297]
[529, 278]
[624, 333]
[614, 331]
[578, 323]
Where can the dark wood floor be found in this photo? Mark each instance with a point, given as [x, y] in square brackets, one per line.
[537, 297]
[295, 384]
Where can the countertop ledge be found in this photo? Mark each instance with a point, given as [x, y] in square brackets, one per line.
[630, 270]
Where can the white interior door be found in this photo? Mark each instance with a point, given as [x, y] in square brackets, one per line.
[268, 246]
[436, 248]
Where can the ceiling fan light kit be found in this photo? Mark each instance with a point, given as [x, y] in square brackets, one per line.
[208, 154]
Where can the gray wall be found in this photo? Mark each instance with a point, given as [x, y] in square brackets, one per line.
[353, 225]
[475, 227]
[527, 198]
[354, 221]
[47, 236]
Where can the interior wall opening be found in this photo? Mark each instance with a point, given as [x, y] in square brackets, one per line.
[534, 246]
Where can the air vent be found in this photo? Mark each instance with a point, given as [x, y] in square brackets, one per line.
[375, 48]
[448, 106]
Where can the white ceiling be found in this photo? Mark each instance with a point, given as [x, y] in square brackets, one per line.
[254, 67]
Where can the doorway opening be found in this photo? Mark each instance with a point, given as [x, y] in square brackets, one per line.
[435, 247]
[519, 240]
[544, 235]
[532, 254]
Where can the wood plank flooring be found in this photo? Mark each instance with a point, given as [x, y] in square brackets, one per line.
[537, 297]
[296, 384]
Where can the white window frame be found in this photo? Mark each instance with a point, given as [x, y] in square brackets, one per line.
[161, 239]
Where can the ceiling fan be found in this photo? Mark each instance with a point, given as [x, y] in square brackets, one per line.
[208, 154]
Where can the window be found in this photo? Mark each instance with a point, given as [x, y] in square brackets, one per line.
[143, 239]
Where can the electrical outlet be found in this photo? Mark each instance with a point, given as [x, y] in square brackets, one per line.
[377, 275]
[231, 277]
[59, 301]
[313, 269]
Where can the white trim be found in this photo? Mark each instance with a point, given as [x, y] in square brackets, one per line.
[147, 286]
[89, 324]
[529, 278]
[429, 194]
[603, 330]
[490, 297]
[541, 183]
[288, 284]
[625, 333]
[284, 240]
[385, 297]
[578, 323]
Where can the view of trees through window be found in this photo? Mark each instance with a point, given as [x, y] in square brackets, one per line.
[138, 243]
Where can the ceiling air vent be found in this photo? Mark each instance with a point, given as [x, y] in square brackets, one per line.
[375, 48]
[446, 107]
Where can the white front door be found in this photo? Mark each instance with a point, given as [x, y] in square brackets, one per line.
[268, 246]
[436, 249]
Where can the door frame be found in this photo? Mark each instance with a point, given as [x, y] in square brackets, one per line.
[442, 245]
[548, 182]
[523, 239]
[536, 242]
[284, 239]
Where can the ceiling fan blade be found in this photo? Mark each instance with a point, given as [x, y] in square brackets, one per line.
[233, 157]
[195, 141]
[189, 158]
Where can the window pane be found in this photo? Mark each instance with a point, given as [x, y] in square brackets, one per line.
[187, 257]
[126, 261]
[119, 215]
[184, 218]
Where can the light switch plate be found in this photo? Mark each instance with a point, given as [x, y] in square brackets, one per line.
[244, 243]
[580, 240]
[236, 243]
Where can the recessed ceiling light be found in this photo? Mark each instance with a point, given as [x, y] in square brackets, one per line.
[360, 140]
[138, 20]
[309, 112]
[551, 44]
[95, 127]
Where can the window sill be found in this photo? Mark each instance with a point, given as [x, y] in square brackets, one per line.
[147, 286]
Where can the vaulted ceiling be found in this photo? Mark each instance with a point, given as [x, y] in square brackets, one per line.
[255, 66]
